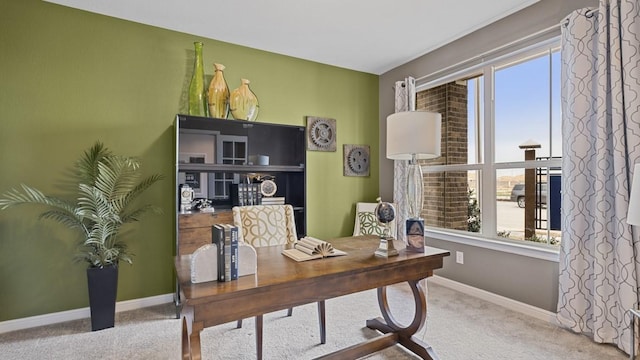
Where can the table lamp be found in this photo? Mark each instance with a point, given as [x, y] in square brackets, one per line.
[633, 216]
[413, 136]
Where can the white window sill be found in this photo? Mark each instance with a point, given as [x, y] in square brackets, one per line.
[539, 252]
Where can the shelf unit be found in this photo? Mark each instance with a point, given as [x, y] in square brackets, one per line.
[213, 153]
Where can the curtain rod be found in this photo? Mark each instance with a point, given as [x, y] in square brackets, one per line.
[492, 54]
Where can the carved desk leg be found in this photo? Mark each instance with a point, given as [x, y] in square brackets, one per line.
[190, 335]
[259, 337]
[186, 346]
[405, 334]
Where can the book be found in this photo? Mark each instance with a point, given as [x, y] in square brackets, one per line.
[310, 248]
[217, 235]
[231, 252]
[279, 200]
[235, 254]
[236, 194]
[415, 235]
[226, 239]
[245, 194]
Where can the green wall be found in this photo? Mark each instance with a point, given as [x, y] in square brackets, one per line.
[69, 78]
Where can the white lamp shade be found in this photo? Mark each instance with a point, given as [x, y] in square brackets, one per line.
[633, 216]
[413, 133]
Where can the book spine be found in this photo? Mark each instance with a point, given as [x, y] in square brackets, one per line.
[243, 192]
[234, 253]
[227, 253]
[234, 194]
[217, 233]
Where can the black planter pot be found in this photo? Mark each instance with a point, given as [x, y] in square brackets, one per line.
[103, 286]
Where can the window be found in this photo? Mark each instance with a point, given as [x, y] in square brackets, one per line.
[499, 174]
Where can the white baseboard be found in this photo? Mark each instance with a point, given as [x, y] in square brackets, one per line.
[53, 318]
[62, 316]
[510, 304]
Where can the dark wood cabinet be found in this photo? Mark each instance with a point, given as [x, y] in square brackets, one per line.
[212, 154]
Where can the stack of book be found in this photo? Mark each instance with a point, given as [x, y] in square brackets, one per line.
[225, 237]
[276, 200]
[245, 194]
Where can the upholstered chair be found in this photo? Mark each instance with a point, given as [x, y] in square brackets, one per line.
[366, 222]
[267, 225]
[264, 225]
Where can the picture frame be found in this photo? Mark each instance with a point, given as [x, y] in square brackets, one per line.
[356, 160]
[321, 134]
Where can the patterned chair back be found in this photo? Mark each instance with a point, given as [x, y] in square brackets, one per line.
[264, 225]
[366, 222]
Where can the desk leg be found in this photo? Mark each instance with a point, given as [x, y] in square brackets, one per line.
[176, 299]
[259, 337]
[190, 336]
[393, 332]
[186, 345]
[323, 325]
[405, 334]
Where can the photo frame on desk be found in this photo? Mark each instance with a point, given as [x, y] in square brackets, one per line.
[196, 180]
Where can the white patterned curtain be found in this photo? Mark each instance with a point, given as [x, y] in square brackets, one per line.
[405, 93]
[601, 134]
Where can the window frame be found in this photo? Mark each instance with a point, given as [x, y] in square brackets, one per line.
[488, 167]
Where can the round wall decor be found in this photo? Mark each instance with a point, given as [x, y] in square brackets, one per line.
[356, 160]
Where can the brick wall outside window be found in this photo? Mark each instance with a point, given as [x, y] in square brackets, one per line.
[445, 195]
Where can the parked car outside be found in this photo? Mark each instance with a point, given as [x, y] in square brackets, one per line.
[517, 194]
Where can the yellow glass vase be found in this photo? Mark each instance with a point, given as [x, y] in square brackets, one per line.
[218, 96]
[244, 103]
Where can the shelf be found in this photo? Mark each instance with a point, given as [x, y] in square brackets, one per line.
[220, 209]
[238, 168]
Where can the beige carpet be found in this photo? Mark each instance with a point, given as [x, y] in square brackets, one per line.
[459, 327]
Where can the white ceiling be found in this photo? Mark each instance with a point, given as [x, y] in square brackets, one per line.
[372, 36]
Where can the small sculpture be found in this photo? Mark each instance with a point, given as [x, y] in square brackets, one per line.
[202, 205]
[186, 197]
[385, 213]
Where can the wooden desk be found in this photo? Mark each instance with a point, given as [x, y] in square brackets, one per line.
[282, 283]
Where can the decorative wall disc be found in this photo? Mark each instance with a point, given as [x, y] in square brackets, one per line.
[356, 160]
[321, 134]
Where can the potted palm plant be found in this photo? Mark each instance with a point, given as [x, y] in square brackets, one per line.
[107, 186]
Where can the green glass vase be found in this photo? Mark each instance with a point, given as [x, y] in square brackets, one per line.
[197, 98]
[244, 103]
[218, 96]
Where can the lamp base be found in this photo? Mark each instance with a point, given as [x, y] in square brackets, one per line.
[386, 248]
[415, 235]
